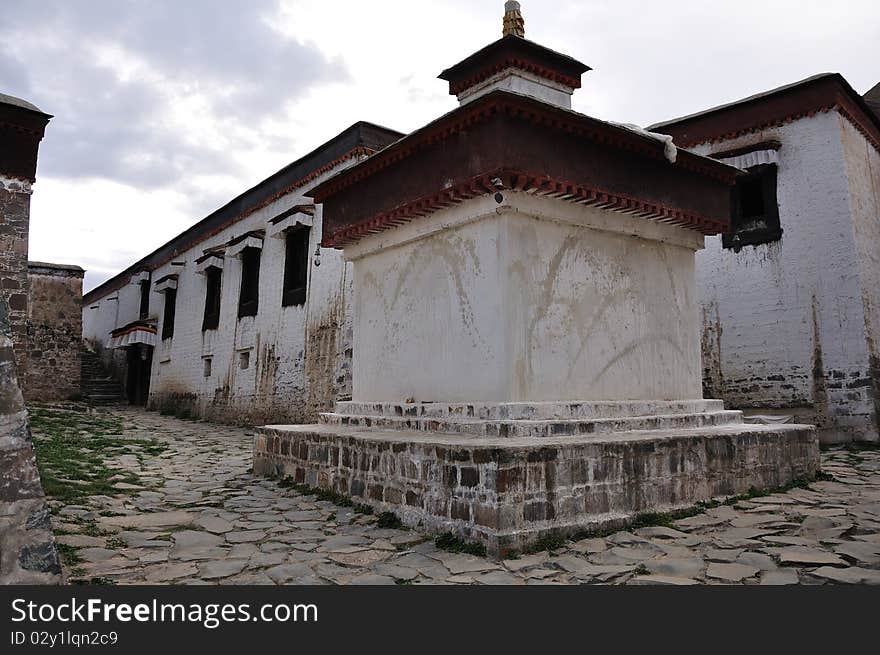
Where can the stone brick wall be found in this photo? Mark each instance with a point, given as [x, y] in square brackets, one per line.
[27, 547]
[54, 336]
[509, 492]
[15, 201]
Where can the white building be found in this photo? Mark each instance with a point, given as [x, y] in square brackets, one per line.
[790, 298]
[241, 318]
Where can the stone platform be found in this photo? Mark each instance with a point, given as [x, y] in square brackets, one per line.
[509, 473]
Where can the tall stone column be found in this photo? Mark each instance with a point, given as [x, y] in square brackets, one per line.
[27, 548]
[21, 128]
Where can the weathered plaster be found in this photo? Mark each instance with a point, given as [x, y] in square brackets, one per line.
[298, 356]
[481, 308]
[783, 324]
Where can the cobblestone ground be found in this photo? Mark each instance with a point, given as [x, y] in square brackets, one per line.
[198, 516]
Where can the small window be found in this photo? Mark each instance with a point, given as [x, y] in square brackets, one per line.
[145, 300]
[296, 267]
[168, 316]
[249, 294]
[244, 359]
[207, 370]
[754, 209]
[214, 278]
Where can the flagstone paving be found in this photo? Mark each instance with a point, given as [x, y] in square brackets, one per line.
[198, 516]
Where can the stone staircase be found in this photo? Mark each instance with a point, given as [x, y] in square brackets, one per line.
[98, 387]
[533, 419]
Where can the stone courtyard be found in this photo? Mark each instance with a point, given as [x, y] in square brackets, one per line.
[177, 503]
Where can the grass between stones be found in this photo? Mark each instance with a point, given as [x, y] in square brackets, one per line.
[325, 494]
[452, 543]
[72, 450]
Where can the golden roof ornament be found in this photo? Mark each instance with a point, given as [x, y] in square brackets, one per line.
[514, 25]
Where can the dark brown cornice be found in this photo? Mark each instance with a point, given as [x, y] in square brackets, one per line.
[819, 94]
[514, 52]
[529, 145]
[21, 129]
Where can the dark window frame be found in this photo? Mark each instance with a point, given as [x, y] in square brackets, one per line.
[144, 308]
[249, 291]
[213, 291]
[296, 266]
[168, 314]
[754, 209]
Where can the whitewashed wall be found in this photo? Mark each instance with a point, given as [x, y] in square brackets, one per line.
[535, 300]
[863, 174]
[783, 324]
[299, 356]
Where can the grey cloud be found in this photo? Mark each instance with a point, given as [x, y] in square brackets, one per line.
[115, 128]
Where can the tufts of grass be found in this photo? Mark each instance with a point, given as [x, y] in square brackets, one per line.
[72, 451]
[389, 520]
[641, 569]
[452, 543]
[115, 543]
[325, 494]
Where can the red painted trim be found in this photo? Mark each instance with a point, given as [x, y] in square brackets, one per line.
[539, 185]
[864, 127]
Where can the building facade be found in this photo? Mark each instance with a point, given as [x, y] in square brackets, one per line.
[242, 318]
[790, 297]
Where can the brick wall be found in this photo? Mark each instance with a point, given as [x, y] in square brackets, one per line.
[55, 331]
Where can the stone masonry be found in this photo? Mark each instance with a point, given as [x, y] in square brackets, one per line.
[508, 490]
[15, 200]
[27, 548]
[55, 331]
[21, 128]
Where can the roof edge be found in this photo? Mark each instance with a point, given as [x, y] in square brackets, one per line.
[201, 230]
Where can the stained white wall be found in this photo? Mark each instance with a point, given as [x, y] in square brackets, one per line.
[536, 300]
[299, 356]
[863, 175]
[783, 324]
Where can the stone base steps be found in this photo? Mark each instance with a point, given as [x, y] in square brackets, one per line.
[516, 428]
[530, 411]
[511, 492]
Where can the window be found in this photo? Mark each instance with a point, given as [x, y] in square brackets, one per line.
[207, 370]
[168, 317]
[249, 295]
[244, 359]
[145, 300]
[213, 277]
[296, 267]
[754, 209]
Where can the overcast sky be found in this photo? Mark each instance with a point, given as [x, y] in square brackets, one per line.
[166, 109]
